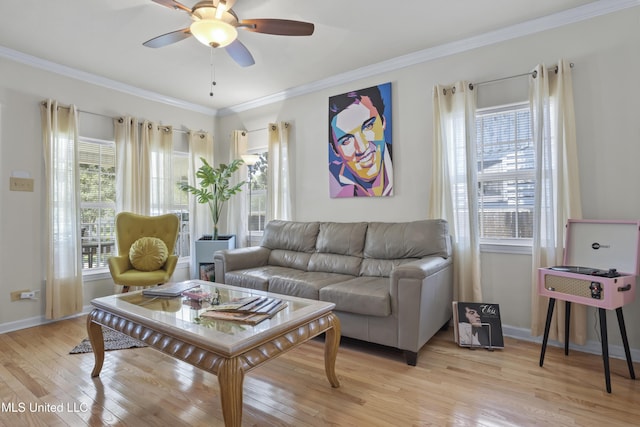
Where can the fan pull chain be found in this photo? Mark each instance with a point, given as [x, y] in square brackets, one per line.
[213, 74]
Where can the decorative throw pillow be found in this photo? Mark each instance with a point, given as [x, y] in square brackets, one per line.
[148, 253]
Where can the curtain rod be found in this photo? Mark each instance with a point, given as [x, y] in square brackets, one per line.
[531, 73]
[110, 117]
[273, 127]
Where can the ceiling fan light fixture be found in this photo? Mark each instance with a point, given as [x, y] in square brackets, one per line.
[213, 32]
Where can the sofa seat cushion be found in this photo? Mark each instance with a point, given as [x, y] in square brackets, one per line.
[304, 284]
[255, 278]
[362, 295]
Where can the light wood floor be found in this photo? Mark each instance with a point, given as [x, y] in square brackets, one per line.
[450, 386]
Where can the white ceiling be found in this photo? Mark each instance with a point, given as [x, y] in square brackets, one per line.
[104, 38]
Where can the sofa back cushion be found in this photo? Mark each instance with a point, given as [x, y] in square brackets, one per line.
[417, 239]
[380, 267]
[343, 238]
[291, 236]
[292, 259]
[339, 247]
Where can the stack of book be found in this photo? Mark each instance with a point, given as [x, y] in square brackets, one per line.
[251, 310]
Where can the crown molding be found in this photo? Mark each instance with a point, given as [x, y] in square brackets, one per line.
[578, 14]
[101, 81]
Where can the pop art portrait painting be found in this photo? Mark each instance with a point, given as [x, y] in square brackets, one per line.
[360, 148]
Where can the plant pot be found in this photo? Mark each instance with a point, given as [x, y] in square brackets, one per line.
[206, 246]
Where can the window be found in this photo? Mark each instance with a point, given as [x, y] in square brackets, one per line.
[258, 195]
[506, 173]
[180, 202]
[98, 202]
[98, 196]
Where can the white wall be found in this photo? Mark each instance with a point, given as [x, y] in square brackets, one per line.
[22, 219]
[606, 53]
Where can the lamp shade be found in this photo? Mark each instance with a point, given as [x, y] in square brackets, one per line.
[250, 159]
[213, 32]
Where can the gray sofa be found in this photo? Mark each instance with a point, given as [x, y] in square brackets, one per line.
[392, 283]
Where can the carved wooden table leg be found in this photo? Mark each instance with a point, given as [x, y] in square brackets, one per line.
[230, 379]
[97, 343]
[331, 344]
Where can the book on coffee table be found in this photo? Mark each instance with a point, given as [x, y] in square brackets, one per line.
[251, 315]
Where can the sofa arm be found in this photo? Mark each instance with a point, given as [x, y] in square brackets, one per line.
[420, 269]
[421, 296]
[239, 259]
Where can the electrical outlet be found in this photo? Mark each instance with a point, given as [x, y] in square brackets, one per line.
[16, 296]
[20, 184]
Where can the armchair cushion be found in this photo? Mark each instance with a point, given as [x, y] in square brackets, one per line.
[148, 254]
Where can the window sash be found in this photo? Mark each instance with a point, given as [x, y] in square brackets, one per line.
[506, 174]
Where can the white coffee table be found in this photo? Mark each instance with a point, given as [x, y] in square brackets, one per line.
[224, 348]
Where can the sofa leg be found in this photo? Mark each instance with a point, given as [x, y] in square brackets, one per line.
[411, 357]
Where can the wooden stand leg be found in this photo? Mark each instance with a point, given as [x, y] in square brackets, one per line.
[94, 330]
[625, 342]
[567, 322]
[331, 344]
[230, 379]
[547, 326]
[605, 347]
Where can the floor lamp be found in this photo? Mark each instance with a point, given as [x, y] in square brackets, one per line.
[250, 160]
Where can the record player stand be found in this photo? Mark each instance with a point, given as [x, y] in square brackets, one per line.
[603, 333]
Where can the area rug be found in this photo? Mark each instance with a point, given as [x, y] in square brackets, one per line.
[113, 340]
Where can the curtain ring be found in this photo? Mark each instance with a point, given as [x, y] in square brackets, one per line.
[286, 125]
[534, 74]
[244, 133]
[149, 126]
[556, 70]
[444, 91]
[120, 120]
[470, 86]
[273, 127]
[202, 136]
[453, 90]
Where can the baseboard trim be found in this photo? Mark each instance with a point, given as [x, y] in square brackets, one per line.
[592, 347]
[36, 321]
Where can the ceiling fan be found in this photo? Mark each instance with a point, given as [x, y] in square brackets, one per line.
[215, 24]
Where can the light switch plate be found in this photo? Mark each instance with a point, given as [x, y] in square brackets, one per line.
[20, 184]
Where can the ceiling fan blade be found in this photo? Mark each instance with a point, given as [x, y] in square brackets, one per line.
[239, 53]
[172, 4]
[279, 27]
[169, 38]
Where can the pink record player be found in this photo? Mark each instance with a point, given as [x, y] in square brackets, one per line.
[600, 264]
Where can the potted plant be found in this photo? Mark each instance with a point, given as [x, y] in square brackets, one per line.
[215, 187]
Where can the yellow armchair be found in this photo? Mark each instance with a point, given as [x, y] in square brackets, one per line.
[129, 228]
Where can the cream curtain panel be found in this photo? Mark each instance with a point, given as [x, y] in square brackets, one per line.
[63, 255]
[237, 209]
[557, 196]
[132, 163]
[279, 193]
[200, 145]
[453, 190]
[162, 185]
